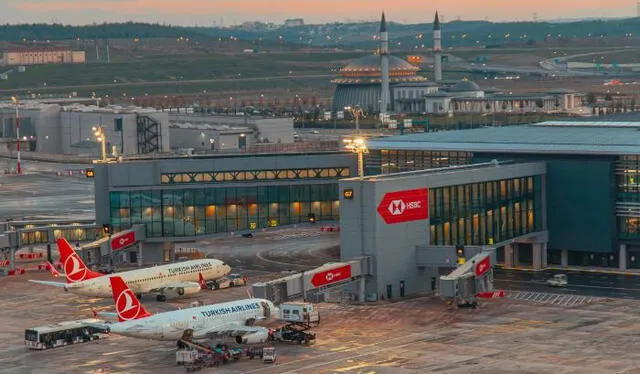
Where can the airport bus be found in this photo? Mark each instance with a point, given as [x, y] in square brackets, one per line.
[62, 333]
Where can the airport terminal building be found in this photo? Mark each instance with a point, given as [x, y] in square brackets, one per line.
[183, 198]
[564, 193]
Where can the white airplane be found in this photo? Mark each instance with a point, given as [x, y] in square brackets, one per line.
[235, 318]
[167, 281]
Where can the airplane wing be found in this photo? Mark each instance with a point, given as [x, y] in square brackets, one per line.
[174, 285]
[230, 329]
[105, 326]
[50, 283]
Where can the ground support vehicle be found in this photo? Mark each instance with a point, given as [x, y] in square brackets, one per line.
[289, 334]
[62, 333]
[269, 355]
[558, 280]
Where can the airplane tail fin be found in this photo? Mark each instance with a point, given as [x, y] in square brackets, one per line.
[203, 283]
[74, 268]
[52, 269]
[127, 304]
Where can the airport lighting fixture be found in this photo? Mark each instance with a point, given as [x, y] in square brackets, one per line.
[356, 112]
[101, 136]
[358, 146]
[18, 164]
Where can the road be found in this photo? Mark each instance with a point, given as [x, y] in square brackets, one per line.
[584, 284]
[40, 193]
[160, 83]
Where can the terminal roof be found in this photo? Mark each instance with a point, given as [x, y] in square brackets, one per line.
[553, 137]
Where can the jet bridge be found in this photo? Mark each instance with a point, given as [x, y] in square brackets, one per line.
[466, 282]
[310, 283]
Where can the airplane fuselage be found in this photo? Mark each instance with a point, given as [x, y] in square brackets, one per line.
[170, 326]
[142, 281]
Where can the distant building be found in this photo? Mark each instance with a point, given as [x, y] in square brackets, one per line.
[294, 22]
[37, 56]
[467, 97]
[67, 129]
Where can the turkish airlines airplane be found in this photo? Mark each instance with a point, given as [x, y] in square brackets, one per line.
[235, 318]
[168, 281]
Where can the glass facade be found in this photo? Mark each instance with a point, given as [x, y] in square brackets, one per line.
[628, 201]
[254, 175]
[485, 213]
[210, 210]
[394, 161]
[71, 234]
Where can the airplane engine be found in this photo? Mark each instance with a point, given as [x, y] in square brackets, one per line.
[256, 337]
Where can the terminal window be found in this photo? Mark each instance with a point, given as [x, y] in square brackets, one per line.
[252, 175]
[485, 212]
[208, 210]
[395, 161]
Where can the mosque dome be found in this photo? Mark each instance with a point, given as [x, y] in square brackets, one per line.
[465, 86]
[369, 66]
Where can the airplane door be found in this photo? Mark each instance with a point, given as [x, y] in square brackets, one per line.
[266, 310]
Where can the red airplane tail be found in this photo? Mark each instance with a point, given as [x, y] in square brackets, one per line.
[52, 269]
[203, 283]
[74, 268]
[127, 304]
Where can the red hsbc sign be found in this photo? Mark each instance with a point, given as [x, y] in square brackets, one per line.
[331, 276]
[404, 206]
[483, 266]
[122, 241]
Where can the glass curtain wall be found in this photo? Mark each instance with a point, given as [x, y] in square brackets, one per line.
[628, 202]
[200, 211]
[485, 213]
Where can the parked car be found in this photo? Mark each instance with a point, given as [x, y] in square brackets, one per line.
[558, 280]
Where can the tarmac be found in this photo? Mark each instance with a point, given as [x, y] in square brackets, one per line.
[417, 335]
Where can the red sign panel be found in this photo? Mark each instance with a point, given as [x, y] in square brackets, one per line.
[122, 241]
[483, 266]
[404, 206]
[491, 294]
[331, 276]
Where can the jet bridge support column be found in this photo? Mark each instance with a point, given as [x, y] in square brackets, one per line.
[139, 254]
[361, 290]
[12, 258]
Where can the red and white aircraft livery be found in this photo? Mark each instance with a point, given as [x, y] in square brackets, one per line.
[167, 281]
[235, 318]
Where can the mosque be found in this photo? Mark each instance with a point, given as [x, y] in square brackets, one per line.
[382, 83]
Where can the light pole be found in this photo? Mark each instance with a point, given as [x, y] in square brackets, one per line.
[356, 112]
[18, 164]
[358, 146]
[101, 136]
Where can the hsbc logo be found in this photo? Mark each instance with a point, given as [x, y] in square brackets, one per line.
[123, 241]
[404, 206]
[330, 276]
[397, 207]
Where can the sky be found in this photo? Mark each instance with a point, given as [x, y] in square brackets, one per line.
[230, 12]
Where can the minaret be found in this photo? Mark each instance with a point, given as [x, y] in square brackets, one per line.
[384, 67]
[437, 50]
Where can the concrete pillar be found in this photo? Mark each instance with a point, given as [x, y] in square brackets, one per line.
[508, 256]
[622, 257]
[361, 290]
[537, 256]
[12, 258]
[516, 257]
[543, 247]
[139, 254]
[564, 257]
